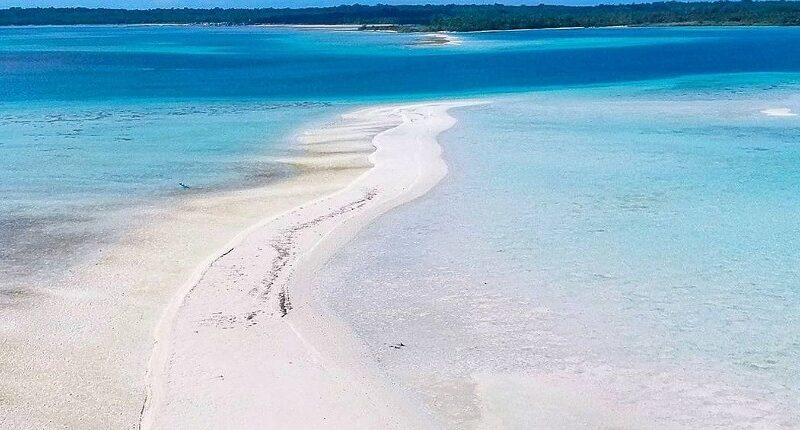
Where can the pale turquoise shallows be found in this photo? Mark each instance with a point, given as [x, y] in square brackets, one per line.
[624, 257]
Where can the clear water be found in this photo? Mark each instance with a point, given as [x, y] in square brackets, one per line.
[639, 242]
[69, 170]
[626, 224]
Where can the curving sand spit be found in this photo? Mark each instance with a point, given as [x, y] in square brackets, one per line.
[438, 39]
[243, 346]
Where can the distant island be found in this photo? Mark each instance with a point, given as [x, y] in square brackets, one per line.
[433, 18]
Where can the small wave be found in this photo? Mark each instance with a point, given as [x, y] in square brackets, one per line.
[778, 112]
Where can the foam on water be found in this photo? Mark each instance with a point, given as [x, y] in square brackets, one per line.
[778, 112]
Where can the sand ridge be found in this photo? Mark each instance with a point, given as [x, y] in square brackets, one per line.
[244, 346]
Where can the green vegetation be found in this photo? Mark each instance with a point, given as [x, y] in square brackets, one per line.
[432, 18]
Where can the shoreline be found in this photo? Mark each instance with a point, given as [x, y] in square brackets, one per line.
[107, 304]
[208, 353]
[391, 28]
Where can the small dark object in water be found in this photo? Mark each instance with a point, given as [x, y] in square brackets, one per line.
[184, 186]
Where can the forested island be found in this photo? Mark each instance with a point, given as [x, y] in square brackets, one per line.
[433, 18]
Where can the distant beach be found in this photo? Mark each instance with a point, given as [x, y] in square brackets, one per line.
[437, 39]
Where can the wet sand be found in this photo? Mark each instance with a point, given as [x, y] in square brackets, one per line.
[75, 348]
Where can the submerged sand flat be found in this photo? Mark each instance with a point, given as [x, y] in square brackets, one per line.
[245, 347]
[529, 287]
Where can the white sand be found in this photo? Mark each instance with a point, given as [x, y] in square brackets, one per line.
[75, 350]
[243, 345]
[438, 39]
[74, 354]
[782, 112]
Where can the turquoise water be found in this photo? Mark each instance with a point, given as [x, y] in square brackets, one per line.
[69, 171]
[624, 215]
[636, 243]
[259, 63]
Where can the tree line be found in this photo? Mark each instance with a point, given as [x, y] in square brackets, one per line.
[434, 17]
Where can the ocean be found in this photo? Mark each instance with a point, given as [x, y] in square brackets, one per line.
[619, 229]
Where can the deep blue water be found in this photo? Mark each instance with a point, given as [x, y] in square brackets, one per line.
[104, 63]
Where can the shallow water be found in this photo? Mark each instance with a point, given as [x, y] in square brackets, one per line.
[71, 172]
[625, 256]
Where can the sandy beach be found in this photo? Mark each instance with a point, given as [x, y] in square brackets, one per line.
[93, 325]
[229, 269]
[243, 346]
